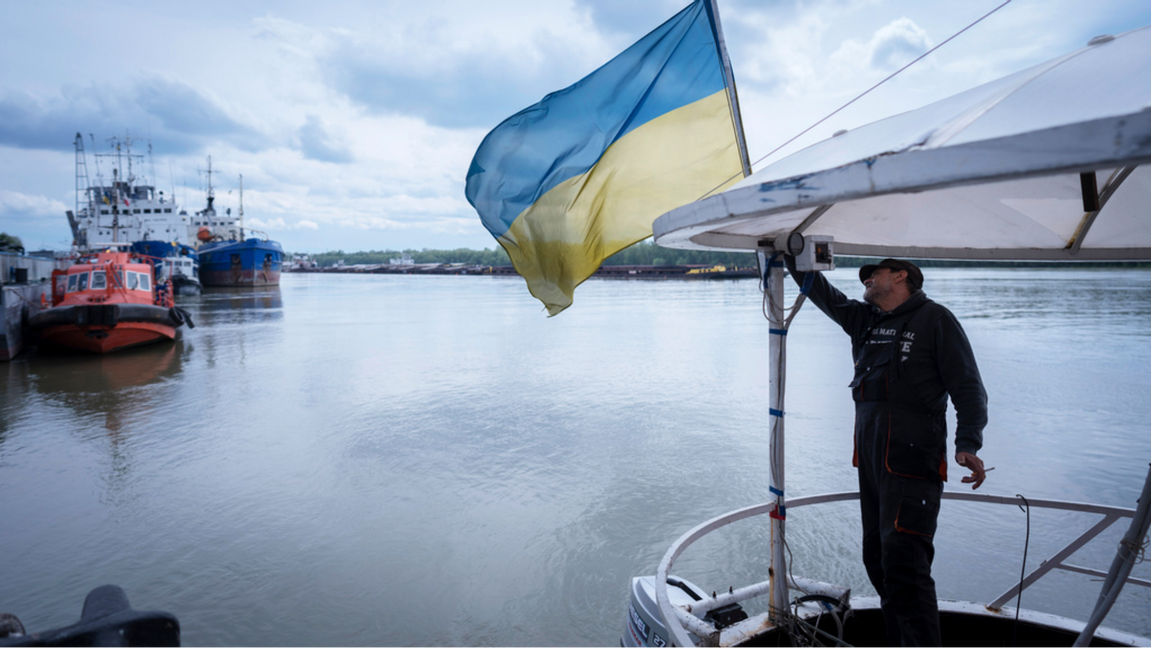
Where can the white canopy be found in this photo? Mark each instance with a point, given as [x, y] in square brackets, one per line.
[1042, 164]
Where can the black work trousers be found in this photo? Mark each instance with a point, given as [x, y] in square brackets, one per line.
[899, 518]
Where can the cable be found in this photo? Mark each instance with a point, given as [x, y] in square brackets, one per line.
[860, 96]
[1026, 508]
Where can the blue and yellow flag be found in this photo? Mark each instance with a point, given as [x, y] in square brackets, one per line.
[566, 183]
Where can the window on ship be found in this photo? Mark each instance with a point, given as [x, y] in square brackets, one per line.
[99, 281]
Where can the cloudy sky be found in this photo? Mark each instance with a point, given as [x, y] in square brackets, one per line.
[353, 123]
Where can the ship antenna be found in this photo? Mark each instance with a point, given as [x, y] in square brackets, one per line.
[241, 206]
[96, 158]
[115, 142]
[211, 194]
[115, 204]
[131, 178]
[152, 162]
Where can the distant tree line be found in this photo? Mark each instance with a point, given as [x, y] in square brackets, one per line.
[496, 257]
[9, 243]
[642, 253]
[650, 254]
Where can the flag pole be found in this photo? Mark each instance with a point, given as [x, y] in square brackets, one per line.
[771, 275]
[771, 278]
[729, 82]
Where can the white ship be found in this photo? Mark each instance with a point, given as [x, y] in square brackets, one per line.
[127, 209]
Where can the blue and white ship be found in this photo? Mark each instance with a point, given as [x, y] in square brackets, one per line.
[228, 257]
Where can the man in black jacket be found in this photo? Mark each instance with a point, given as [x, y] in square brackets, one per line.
[910, 355]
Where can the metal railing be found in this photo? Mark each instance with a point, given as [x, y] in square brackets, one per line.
[37, 268]
[682, 620]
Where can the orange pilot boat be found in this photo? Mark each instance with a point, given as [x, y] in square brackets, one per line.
[108, 301]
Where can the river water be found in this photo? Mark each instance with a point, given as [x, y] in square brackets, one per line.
[430, 460]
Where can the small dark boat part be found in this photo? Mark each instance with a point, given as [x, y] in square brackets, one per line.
[106, 620]
[174, 262]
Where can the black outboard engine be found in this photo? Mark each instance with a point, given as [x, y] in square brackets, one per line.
[107, 620]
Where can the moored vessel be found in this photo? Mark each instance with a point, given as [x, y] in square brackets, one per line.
[249, 262]
[175, 263]
[126, 210]
[108, 301]
[229, 257]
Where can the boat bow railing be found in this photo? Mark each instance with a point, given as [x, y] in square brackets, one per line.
[682, 621]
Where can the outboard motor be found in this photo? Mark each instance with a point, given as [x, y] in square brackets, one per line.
[107, 620]
[644, 625]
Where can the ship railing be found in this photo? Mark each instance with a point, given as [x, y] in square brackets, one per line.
[249, 230]
[682, 619]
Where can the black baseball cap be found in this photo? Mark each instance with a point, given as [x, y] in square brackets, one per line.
[914, 274]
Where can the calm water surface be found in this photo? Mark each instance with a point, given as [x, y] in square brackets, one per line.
[398, 460]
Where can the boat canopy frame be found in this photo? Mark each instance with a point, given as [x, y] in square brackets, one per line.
[1009, 171]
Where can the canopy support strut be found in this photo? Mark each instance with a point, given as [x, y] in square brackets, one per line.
[1093, 202]
[812, 217]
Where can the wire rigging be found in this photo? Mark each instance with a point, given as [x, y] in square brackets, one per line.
[1026, 508]
[860, 96]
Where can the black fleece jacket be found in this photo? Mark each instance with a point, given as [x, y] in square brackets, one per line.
[912, 358]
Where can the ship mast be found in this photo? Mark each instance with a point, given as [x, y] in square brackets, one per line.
[116, 201]
[83, 188]
[241, 206]
[211, 194]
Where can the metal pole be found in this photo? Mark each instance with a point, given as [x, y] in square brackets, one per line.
[1125, 559]
[729, 81]
[771, 269]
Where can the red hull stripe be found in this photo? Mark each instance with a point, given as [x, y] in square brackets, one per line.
[100, 339]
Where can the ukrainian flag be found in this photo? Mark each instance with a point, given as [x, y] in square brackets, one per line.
[566, 183]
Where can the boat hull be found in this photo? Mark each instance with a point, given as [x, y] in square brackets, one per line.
[169, 260]
[961, 623]
[105, 328]
[253, 262]
[186, 286]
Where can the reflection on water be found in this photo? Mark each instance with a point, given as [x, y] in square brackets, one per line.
[107, 397]
[391, 460]
[67, 375]
[238, 304]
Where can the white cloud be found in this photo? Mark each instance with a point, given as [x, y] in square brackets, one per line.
[24, 204]
[353, 123]
[182, 117]
[897, 44]
[316, 143]
[266, 224]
